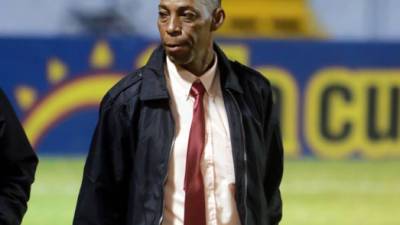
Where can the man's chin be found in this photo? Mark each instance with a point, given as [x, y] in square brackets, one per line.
[179, 59]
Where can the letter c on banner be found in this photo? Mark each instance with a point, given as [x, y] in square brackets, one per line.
[331, 113]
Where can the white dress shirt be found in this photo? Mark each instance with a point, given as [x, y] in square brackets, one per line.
[216, 161]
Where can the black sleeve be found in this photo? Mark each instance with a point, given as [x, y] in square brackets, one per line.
[17, 166]
[275, 161]
[101, 199]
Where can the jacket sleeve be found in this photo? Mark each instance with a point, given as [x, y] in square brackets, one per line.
[274, 161]
[17, 166]
[101, 199]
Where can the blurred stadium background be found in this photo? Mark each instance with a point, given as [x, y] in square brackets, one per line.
[334, 65]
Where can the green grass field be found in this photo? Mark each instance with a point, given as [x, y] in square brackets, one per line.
[313, 192]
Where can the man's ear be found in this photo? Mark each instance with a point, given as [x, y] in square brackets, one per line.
[218, 19]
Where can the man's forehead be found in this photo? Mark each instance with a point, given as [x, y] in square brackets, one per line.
[193, 3]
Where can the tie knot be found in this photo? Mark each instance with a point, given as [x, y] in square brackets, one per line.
[197, 89]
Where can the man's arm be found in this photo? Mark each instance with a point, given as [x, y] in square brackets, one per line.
[101, 199]
[17, 166]
[274, 148]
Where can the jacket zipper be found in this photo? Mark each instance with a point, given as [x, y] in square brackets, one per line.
[244, 155]
[166, 174]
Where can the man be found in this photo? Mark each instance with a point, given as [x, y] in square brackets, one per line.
[189, 139]
[17, 166]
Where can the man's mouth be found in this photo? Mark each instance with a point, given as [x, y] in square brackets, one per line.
[174, 46]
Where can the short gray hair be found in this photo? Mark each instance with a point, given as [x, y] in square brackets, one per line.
[212, 4]
[216, 3]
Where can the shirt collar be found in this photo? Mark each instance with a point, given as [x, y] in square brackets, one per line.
[185, 79]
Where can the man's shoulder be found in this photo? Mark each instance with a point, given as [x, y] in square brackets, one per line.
[6, 109]
[3, 99]
[247, 74]
[124, 90]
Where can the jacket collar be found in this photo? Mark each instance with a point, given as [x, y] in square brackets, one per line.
[154, 82]
[229, 78]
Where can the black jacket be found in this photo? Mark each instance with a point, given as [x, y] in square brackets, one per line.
[17, 166]
[128, 160]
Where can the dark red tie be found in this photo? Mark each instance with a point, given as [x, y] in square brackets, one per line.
[195, 212]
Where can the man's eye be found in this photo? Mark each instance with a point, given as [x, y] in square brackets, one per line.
[162, 14]
[189, 16]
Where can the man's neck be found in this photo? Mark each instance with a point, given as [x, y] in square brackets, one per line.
[199, 67]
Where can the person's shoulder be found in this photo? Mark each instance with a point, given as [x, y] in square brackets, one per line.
[247, 74]
[5, 105]
[3, 97]
[124, 90]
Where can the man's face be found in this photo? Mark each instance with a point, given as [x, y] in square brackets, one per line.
[185, 29]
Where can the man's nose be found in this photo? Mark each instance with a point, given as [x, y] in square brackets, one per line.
[174, 26]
